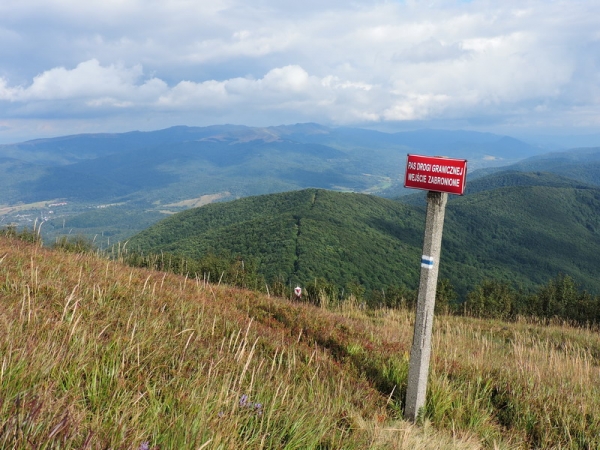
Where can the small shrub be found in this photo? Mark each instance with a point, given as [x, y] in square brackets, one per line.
[74, 244]
[25, 234]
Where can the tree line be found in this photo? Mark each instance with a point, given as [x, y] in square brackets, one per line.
[560, 298]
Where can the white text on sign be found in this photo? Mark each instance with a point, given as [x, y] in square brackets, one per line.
[436, 174]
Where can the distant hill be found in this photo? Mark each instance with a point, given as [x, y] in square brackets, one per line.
[159, 172]
[524, 234]
[503, 179]
[299, 236]
[471, 145]
[582, 164]
[183, 162]
[510, 178]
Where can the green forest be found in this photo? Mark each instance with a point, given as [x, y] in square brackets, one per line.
[511, 251]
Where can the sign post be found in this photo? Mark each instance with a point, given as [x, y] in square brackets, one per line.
[440, 176]
[434, 173]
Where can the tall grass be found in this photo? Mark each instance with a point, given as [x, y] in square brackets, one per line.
[517, 385]
[95, 355]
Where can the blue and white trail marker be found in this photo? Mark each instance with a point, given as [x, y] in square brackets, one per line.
[427, 262]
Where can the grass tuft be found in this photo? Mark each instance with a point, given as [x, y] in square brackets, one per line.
[94, 354]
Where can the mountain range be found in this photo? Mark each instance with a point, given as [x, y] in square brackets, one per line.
[180, 163]
[581, 164]
[110, 187]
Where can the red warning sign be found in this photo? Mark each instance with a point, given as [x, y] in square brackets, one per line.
[434, 173]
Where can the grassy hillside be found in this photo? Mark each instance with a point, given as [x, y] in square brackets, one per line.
[524, 234]
[99, 355]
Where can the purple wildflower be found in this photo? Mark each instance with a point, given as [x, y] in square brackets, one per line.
[246, 403]
[144, 446]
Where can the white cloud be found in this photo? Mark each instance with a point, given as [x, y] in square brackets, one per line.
[187, 94]
[280, 88]
[286, 79]
[336, 61]
[94, 85]
[89, 81]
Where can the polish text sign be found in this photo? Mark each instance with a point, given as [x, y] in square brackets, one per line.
[434, 173]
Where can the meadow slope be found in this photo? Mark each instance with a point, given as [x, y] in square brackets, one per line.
[95, 354]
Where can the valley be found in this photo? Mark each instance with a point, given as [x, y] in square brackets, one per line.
[112, 188]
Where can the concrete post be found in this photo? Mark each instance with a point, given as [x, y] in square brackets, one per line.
[420, 352]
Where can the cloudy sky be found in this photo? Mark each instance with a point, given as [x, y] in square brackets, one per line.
[511, 66]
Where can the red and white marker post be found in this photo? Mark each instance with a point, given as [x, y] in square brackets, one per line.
[298, 292]
[440, 177]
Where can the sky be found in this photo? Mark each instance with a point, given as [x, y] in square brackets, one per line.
[505, 66]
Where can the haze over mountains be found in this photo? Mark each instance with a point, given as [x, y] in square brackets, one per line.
[526, 215]
[182, 162]
[580, 164]
[149, 174]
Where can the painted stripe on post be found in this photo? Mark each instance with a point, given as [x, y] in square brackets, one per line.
[427, 262]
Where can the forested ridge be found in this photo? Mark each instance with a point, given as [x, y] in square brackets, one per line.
[516, 239]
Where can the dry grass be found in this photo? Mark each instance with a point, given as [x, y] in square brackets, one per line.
[94, 354]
